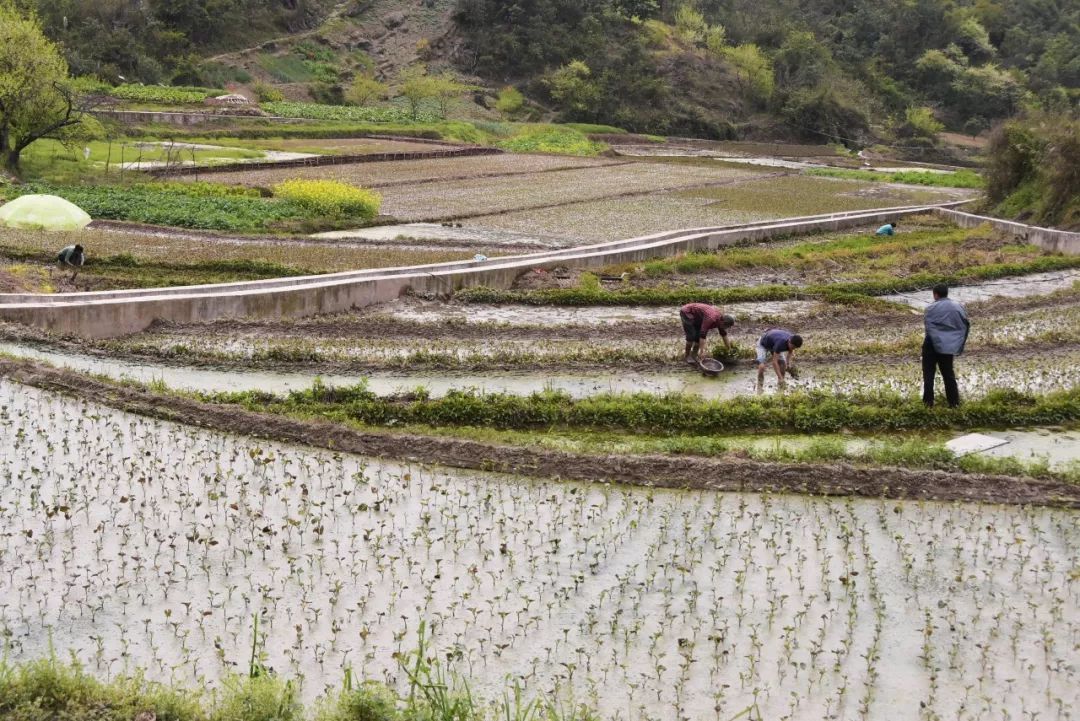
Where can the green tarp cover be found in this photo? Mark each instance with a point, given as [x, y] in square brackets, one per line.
[43, 212]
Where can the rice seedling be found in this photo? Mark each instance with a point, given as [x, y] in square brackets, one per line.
[633, 601]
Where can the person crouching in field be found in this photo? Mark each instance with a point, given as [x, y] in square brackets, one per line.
[697, 320]
[777, 348]
[947, 328]
[71, 257]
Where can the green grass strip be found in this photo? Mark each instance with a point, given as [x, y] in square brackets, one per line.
[958, 179]
[845, 293]
[815, 412]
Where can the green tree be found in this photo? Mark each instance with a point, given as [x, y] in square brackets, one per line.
[511, 102]
[417, 87]
[716, 40]
[36, 99]
[691, 25]
[574, 89]
[366, 90]
[753, 69]
[920, 123]
[446, 89]
[802, 62]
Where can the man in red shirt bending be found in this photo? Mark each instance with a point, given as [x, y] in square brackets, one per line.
[697, 320]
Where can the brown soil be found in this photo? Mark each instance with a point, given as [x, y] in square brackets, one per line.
[12, 284]
[506, 174]
[613, 196]
[722, 474]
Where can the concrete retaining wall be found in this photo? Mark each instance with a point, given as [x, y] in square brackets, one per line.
[320, 160]
[115, 313]
[193, 117]
[1057, 241]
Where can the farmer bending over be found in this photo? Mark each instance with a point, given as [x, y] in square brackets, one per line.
[947, 328]
[887, 229]
[697, 320]
[71, 257]
[778, 346]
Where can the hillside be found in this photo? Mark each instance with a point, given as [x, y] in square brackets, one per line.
[825, 71]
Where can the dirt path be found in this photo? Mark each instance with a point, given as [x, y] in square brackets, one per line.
[726, 474]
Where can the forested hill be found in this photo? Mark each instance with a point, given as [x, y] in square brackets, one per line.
[825, 65]
[823, 69]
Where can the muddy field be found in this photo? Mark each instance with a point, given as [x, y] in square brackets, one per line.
[414, 172]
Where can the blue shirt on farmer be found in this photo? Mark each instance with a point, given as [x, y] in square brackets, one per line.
[887, 229]
[776, 340]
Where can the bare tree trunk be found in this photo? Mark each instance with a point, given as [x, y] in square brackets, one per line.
[9, 160]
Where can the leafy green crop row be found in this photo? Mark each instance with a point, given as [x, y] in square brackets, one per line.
[846, 293]
[958, 179]
[165, 95]
[168, 205]
[205, 206]
[675, 413]
[346, 113]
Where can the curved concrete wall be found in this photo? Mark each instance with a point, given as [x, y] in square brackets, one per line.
[114, 313]
[1056, 241]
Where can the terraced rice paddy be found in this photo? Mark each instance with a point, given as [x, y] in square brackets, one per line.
[135, 543]
[413, 171]
[579, 200]
[142, 257]
[638, 602]
[759, 197]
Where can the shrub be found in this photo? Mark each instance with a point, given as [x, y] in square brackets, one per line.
[329, 197]
[267, 93]
[562, 140]
[1032, 170]
[511, 102]
[366, 90]
[823, 113]
[920, 123]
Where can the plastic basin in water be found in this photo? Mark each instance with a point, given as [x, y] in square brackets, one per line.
[711, 367]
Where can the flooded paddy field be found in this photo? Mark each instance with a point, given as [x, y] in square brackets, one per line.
[640, 603]
[571, 201]
[760, 197]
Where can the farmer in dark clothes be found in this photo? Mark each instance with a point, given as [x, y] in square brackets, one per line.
[71, 257]
[776, 348]
[697, 320]
[947, 328]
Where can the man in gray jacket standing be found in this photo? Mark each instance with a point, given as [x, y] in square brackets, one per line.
[947, 328]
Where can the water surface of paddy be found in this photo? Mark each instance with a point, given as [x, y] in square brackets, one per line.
[641, 603]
